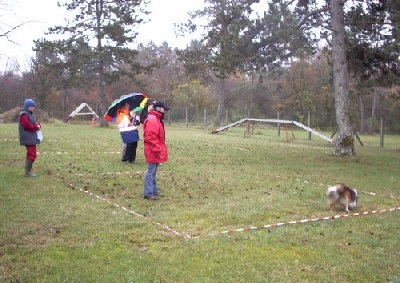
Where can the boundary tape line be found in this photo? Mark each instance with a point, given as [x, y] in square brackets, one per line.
[118, 173]
[382, 195]
[321, 184]
[306, 220]
[187, 236]
[250, 228]
[76, 152]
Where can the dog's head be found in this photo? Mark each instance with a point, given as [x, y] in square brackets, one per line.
[354, 198]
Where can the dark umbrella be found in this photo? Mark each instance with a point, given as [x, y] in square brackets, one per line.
[136, 102]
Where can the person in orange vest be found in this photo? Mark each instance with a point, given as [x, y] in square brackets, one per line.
[128, 128]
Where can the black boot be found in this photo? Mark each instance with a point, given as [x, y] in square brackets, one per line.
[28, 169]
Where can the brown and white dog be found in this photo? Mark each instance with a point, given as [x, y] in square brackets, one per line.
[343, 195]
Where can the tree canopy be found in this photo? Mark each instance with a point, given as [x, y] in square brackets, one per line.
[96, 42]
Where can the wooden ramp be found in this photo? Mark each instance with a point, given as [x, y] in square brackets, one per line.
[277, 121]
[229, 126]
[78, 110]
[313, 131]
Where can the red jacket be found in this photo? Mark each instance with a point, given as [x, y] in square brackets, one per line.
[155, 149]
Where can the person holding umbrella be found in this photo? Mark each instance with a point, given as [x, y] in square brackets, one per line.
[119, 112]
[155, 148]
[127, 126]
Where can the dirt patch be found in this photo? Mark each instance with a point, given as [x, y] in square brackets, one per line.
[12, 115]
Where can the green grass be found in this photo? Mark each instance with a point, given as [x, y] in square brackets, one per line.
[50, 232]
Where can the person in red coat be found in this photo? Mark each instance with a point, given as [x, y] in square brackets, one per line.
[155, 148]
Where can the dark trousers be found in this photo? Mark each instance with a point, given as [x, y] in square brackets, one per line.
[130, 152]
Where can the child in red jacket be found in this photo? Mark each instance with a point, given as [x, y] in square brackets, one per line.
[28, 137]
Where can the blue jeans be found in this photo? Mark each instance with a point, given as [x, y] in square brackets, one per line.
[150, 183]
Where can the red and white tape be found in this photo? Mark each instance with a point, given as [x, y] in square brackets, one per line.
[382, 195]
[78, 152]
[306, 220]
[187, 236]
[368, 212]
[132, 212]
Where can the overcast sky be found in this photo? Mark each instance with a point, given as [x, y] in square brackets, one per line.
[39, 15]
[42, 14]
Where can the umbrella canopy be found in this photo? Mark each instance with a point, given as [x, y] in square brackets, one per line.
[137, 101]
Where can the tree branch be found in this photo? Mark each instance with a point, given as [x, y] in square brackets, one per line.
[6, 34]
[312, 13]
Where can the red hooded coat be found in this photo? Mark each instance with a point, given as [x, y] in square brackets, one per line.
[155, 149]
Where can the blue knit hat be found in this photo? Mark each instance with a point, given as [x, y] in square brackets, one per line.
[29, 103]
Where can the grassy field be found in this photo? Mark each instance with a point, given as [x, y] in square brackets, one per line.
[88, 222]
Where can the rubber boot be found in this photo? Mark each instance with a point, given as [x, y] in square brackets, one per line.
[28, 169]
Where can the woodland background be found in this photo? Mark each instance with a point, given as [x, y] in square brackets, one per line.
[293, 78]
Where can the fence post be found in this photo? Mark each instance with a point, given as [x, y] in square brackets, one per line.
[278, 125]
[309, 125]
[381, 131]
[186, 117]
[205, 118]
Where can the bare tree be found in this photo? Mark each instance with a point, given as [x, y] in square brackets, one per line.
[6, 33]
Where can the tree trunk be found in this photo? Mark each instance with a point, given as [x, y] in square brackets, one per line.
[102, 95]
[344, 143]
[372, 112]
[221, 103]
[362, 124]
[102, 83]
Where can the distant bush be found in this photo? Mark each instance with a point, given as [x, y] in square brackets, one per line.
[12, 115]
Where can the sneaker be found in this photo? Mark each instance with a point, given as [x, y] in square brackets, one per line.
[150, 197]
[159, 195]
[30, 174]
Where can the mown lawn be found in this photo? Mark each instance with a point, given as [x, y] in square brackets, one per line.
[87, 220]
